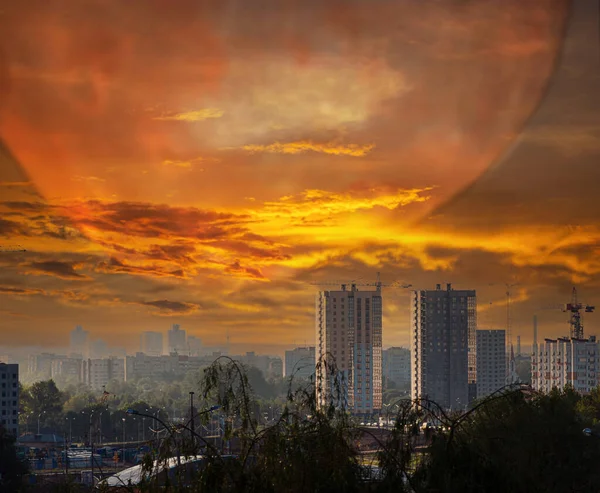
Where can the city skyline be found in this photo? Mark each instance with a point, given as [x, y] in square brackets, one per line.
[139, 212]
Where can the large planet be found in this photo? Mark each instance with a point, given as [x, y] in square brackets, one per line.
[216, 104]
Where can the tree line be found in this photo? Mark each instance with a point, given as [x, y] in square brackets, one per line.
[515, 440]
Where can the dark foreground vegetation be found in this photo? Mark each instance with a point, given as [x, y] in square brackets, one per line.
[514, 441]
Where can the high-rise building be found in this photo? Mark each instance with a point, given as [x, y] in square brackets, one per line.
[491, 361]
[151, 343]
[565, 361]
[176, 339]
[396, 366]
[300, 363]
[9, 400]
[79, 341]
[348, 349]
[444, 346]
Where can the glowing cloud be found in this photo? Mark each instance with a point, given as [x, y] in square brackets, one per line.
[192, 116]
[305, 146]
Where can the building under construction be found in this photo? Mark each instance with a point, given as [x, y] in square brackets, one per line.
[564, 361]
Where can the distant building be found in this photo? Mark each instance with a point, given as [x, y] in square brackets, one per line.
[96, 373]
[151, 343]
[491, 361]
[396, 366]
[194, 345]
[176, 340]
[300, 362]
[9, 401]
[98, 349]
[68, 368]
[444, 346]
[158, 367]
[275, 368]
[79, 341]
[565, 361]
[348, 338]
[41, 364]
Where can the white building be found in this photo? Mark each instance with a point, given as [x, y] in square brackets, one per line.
[396, 366]
[176, 340]
[9, 400]
[444, 346]
[151, 343]
[491, 361]
[98, 372]
[565, 361]
[300, 363]
[348, 332]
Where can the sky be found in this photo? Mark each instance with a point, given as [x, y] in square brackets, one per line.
[206, 163]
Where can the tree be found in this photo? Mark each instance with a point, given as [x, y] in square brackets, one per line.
[515, 442]
[43, 401]
[11, 468]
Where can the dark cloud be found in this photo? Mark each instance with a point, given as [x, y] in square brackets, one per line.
[8, 228]
[166, 307]
[159, 221]
[239, 270]
[21, 291]
[24, 205]
[63, 270]
[115, 266]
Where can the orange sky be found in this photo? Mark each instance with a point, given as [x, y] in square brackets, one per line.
[202, 162]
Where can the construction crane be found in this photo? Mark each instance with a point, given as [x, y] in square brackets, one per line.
[353, 283]
[12, 249]
[509, 287]
[574, 308]
[508, 313]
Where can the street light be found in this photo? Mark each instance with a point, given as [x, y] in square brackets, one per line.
[123, 443]
[39, 415]
[70, 420]
[137, 413]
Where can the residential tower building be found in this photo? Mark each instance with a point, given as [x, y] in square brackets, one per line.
[444, 346]
[491, 361]
[348, 348]
[9, 398]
